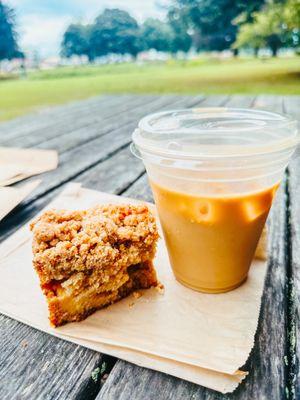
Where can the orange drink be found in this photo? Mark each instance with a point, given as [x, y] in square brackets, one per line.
[211, 240]
[214, 173]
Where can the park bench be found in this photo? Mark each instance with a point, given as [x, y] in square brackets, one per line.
[92, 138]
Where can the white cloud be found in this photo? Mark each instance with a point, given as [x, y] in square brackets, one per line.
[42, 33]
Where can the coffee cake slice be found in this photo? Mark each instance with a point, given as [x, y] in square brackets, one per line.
[89, 259]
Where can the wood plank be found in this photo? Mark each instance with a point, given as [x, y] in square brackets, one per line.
[84, 157]
[45, 118]
[292, 107]
[37, 366]
[140, 189]
[267, 379]
[115, 174]
[39, 114]
[67, 370]
[39, 119]
[240, 101]
[58, 123]
[55, 126]
[269, 102]
[218, 100]
[89, 154]
[59, 135]
[98, 126]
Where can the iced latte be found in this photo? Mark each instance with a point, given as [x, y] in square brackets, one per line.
[214, 174]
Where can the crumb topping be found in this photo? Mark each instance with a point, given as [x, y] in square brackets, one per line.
[106, 237]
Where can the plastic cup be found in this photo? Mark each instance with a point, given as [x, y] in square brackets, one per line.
[214, 173]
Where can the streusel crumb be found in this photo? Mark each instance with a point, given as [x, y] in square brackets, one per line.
[160, 288]
[137, 295]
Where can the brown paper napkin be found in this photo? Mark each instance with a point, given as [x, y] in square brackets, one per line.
[198, 337]
[10, 197]
[17, 164]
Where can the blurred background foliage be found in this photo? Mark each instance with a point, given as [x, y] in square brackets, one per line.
[206, 25]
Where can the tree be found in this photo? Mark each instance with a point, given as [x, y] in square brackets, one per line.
[291, 17]
[250, 37]
[211, 20]
[114, 31]
[76, 41]
[182, 40]
[275, 26]
[157, 35]
[8, 37]
[291, 14]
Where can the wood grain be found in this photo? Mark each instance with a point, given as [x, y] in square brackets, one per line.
[88, 154]
[292, 107]
[97, 116]
[35, 365]
[56, 115]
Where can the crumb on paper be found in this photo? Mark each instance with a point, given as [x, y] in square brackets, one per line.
[160, 288]
[137, 294]
[131, 304]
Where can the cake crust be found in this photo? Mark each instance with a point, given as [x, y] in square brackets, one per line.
[89, 259]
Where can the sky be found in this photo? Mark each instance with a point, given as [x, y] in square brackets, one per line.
[41, 23]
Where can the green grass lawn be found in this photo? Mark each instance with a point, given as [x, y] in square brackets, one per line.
[205, 75]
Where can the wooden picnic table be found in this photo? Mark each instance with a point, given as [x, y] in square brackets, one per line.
[92, 138]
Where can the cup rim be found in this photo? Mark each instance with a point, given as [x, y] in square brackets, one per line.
[267, 120]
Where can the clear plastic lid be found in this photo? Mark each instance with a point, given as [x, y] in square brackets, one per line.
[215, 132]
